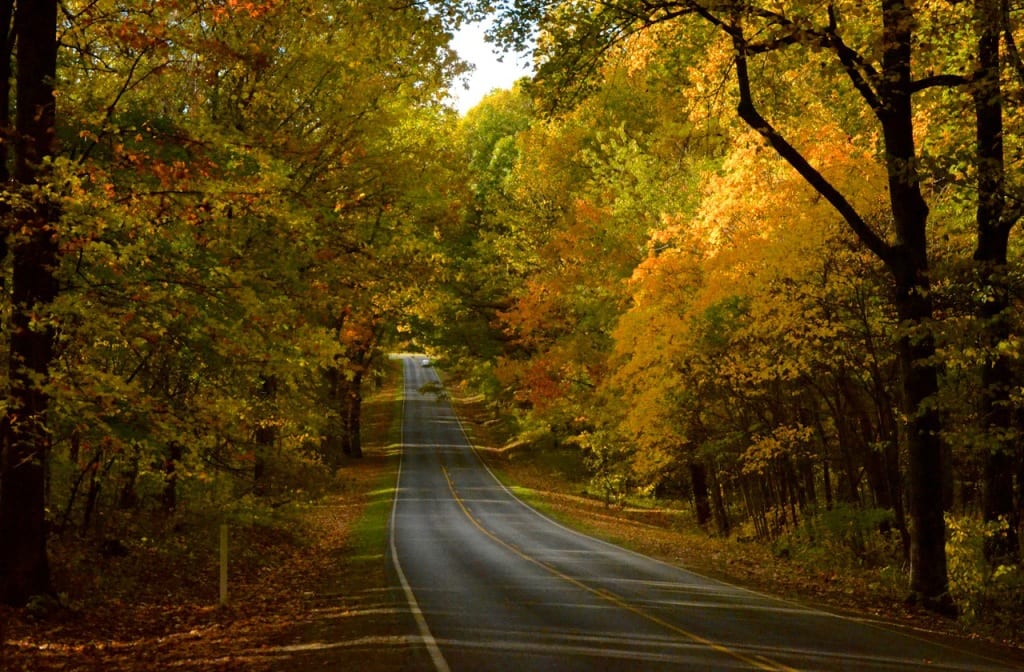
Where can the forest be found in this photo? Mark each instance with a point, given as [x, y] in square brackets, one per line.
[757, 257]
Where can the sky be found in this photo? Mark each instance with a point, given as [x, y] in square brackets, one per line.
[489, 74]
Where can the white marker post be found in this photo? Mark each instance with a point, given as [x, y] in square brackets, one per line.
[223, 564]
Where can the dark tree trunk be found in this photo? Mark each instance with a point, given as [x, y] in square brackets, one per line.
[128, 498]
[6, 132]
[265, 436]
[919, 384]
[353, 413]
[993, 230]
[908, 263]
[24, 569]
[169, 494]
[97, 476]
[332, 443]
[718, 511]
[826, 477]
[701, 499]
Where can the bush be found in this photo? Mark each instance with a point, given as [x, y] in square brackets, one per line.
[844, 535]
[977, 586]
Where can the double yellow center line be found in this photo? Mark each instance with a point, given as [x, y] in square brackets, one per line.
[757, 662]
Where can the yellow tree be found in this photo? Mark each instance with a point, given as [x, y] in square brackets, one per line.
[873, 62]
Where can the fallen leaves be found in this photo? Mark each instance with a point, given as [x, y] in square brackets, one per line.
[299, 600]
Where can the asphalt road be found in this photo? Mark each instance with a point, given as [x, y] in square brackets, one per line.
[494, 585]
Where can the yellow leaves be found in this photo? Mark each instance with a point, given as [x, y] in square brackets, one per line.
[782, 441]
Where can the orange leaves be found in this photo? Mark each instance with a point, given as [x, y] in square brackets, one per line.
[248, 8]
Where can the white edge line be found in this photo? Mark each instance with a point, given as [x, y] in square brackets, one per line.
[440, 664]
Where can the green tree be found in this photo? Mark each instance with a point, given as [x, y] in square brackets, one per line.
[234, 178]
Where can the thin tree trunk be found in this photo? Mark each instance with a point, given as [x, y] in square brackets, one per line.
[169, 494]
[332, 442]
[718, 512]
[265, 436]
[353, 416]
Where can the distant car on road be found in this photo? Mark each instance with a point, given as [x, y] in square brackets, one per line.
[425, 362]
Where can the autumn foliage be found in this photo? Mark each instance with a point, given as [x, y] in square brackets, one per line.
[761, 259]
[223, 231]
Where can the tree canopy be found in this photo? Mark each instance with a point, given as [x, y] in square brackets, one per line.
[757, 256]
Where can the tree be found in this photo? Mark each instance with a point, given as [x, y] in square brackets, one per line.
[873, 59]
[233, 177]
[30, 222]
[996, 215]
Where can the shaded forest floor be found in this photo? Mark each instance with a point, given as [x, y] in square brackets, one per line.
[311, 588]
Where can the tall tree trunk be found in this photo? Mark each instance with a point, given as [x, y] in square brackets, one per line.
[993, 229]
[889, 95]
[919, 385]
[908, 263]
[24, 569]
[6, 132]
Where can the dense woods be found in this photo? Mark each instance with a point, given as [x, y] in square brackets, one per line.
[756, 257]
[760, 256]
[208, 240]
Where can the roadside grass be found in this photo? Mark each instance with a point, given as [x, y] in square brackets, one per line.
[552, 484]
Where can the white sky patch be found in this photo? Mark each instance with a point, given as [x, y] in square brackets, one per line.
[490, 74]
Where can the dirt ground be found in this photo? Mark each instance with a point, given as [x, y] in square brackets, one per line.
[311, 605]
[309, 590]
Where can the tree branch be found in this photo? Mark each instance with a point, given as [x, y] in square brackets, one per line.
[1012, 52]
[748, 112]
[939, 80]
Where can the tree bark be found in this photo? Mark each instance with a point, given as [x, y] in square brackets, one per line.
[24, 568]
[929, 582]
[353, 412]
[993, 221]
[6, 132]
[266, 434]
[701, 499]
[718, 511]
[169, 493]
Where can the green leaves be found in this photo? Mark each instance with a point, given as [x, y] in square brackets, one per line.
[245, 189]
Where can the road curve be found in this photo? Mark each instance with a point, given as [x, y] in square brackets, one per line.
[494, 585]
